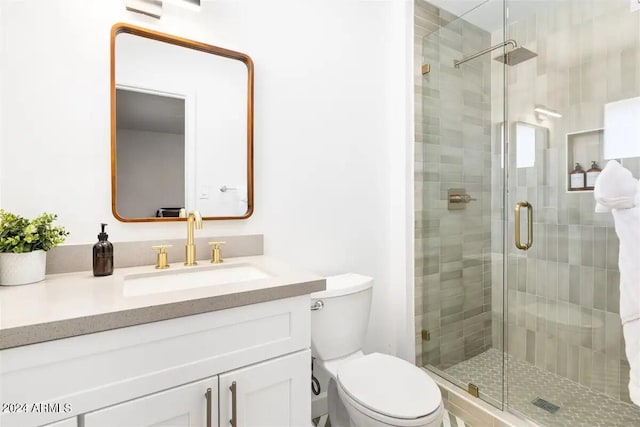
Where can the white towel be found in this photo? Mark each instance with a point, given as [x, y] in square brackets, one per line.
[617, 190]
[628, 230]
[631, 331]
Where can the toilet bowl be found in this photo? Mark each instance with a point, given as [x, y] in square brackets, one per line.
[373, 390]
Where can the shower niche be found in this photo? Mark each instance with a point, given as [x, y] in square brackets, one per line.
[583, 148]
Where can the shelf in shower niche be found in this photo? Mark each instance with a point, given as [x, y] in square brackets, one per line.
[583, 147]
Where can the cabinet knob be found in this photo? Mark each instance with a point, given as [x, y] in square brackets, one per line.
[162, 260]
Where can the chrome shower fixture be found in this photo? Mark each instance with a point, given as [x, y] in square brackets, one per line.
[515, 56]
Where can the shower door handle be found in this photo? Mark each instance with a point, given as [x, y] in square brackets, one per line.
[529, 243]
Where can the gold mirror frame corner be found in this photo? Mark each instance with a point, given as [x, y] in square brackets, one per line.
[120, 28]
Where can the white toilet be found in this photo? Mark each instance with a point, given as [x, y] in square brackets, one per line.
[365, 390]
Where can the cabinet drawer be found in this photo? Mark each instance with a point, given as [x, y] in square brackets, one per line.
[70, 422]
[184, 406]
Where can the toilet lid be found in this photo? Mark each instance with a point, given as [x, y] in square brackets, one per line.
[344, 284]
[389, 386]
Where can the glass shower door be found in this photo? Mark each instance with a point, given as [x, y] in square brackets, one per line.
[566, 362]
[459, 221]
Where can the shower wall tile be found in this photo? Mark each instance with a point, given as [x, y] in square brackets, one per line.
[600, 289]
[586, 367]
[624, 380]
[536, 275]
[612, 378]
[613, 291]
[551, 354]
[575, 245]
[613, 334]
[612, 249]
[586, 245]
[575, 287]
[561, 359]
[573, 354]
[598, 372]
[599, 247]
[586, 286]
[551, 282]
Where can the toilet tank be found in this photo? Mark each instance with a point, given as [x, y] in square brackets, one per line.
[339, 327]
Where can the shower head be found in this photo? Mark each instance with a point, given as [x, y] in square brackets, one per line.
[513, 57]
[516, 56]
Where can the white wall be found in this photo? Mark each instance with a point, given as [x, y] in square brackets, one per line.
[332, 154]
[2, 93]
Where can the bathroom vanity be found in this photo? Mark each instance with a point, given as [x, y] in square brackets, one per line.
[128, 350]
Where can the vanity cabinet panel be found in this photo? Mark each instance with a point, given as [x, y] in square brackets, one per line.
[274, 393]
[97, 370]
[69, 422]
[184, 406]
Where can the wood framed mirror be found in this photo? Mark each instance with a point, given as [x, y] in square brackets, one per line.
[181, 128]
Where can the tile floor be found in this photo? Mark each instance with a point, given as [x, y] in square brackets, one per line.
[579, 405]
[450, 420]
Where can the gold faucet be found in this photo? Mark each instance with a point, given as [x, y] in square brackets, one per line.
[193, 219]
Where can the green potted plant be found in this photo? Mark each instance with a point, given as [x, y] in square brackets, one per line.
[23, 246]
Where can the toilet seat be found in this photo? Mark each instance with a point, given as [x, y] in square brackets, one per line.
[389, 389]
[433, 419]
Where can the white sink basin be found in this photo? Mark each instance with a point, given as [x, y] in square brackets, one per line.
[182, 279]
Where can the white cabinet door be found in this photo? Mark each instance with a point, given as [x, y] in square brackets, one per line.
[274, 393]
[191, 405]
[69, 422]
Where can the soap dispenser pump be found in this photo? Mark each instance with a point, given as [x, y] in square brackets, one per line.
[103, 255]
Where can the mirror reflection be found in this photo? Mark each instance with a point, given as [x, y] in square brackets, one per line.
[181, 128]
[150, 137]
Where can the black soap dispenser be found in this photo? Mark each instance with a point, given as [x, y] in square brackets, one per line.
[103, 255]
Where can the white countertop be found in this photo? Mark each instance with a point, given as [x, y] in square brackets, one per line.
[70, 304]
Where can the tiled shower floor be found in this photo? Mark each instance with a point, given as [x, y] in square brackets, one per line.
[579, 405]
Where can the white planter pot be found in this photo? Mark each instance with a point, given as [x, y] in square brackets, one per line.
[20, 269]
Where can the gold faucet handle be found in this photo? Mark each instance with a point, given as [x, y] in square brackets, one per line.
[162, 260]
[216, 257]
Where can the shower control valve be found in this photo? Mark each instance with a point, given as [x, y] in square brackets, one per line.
[458, 198]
